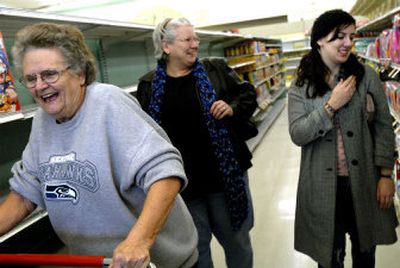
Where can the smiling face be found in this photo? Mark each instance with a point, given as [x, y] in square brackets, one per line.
[61, 99]
[335, 48]
[184, 49]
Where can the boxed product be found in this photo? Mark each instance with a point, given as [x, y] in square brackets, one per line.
[8, 94]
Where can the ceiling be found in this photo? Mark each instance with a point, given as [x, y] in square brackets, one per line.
[201, 13]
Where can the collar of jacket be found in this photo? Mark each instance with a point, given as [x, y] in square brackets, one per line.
[207, 62]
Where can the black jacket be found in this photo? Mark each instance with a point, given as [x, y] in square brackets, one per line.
[240, 95]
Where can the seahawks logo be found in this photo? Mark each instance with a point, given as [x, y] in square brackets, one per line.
[61, 192]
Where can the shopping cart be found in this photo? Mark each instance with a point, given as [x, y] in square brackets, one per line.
[56, 260]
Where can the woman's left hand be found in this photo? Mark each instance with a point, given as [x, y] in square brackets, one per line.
[127, 255]
[221, 109]
[385, 193]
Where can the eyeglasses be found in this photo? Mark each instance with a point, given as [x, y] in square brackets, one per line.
[190, 40]
[48, 76]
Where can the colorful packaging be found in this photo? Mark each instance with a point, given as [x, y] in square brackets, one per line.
[8, 94]
[395, 39]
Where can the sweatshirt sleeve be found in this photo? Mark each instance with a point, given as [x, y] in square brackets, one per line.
[143, 145]
[156, 159]
[24, 180]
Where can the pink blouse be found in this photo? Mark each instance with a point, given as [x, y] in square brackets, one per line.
[342, 168]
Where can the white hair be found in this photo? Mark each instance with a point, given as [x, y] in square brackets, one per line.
[165, 32]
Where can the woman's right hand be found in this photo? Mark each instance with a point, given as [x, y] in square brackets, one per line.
[342, 93]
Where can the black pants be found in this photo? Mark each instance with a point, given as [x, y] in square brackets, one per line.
[345, 222]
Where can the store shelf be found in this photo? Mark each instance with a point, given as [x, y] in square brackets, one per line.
[303, 49]
[270, 115]
[380, 23]
[259, 83]
[385, 63]
[274, 45]
[247, 55]
[293, 51]
[108, 31]
[375, 60]
[290, 68]
[259, 114]
[35, 216]
[294, 59]
[26, 112]
[243, 64]
[12, 20]
[264, 71]
[268, 65]
[10, 116]
[130, 89]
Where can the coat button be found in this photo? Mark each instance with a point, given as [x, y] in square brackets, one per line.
[321, 132]
[354, 162]
[350, 134]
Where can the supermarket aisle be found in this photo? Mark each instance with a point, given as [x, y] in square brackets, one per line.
[273, 182]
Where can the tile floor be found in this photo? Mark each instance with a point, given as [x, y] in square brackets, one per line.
[273, 182]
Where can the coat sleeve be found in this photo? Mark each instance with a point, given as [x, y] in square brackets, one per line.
[381, 127]
[307, 121]
[143, 93]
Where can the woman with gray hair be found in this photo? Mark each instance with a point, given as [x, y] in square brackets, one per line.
[203, 105]
[107, 192]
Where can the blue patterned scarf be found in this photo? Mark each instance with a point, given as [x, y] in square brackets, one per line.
[235, 190]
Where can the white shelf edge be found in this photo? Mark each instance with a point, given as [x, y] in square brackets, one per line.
[268, 65]
[379, 19]
[29, 110]
[130, 89]
[11, 116]
[35, 216]
[306, 38]
[290, 68]
[297, 50]
[235, 66]
[265, 79]
[379, 61]
[28, 14]
[294, 59]
[271, 115]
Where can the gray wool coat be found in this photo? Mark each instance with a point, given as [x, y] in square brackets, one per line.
[366, 147]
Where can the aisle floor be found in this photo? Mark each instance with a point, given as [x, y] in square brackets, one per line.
[273, 182]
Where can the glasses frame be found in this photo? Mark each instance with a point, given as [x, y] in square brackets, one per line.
[189, 40]
[23, 79]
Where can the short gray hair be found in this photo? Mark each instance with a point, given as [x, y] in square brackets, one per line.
[165, 32]
[68, 39]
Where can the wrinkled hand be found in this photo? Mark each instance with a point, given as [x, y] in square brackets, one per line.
[220, 109]
[343, 92]
[385, 193]
[127, 255]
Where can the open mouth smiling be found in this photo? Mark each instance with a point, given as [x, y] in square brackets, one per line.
[49, 97]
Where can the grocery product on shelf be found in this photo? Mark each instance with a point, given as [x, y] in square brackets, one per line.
[8, 94]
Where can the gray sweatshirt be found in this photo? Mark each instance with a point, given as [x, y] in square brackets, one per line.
[92, 174]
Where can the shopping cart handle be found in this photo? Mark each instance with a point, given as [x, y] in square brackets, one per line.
[56, 260]
[107, 262]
